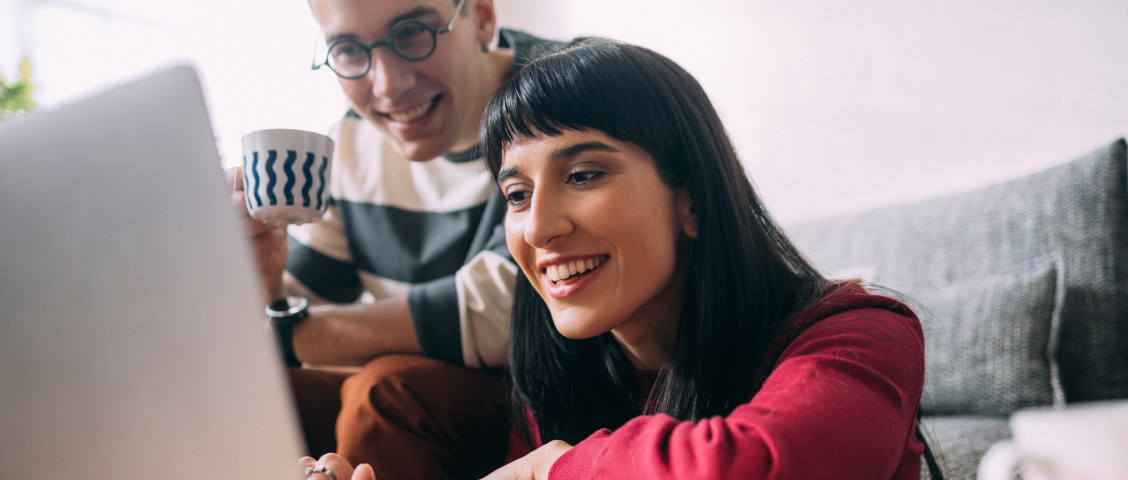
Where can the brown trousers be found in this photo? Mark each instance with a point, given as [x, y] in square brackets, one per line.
[408, 416]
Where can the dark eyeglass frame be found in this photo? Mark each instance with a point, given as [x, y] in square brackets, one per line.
[390, 43]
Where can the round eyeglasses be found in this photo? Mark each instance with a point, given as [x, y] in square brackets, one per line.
[412, 40]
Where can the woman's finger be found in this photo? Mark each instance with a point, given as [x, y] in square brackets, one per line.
[336, 464]
[364, 472]
[306, 462]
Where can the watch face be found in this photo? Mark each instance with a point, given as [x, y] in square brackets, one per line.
[287, 311]
[289, 319]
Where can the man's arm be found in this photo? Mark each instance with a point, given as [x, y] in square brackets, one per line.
[332, 334]
[339, 330]
[354, 334]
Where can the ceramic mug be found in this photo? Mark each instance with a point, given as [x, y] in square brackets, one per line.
[286, 175]
[1082, 441]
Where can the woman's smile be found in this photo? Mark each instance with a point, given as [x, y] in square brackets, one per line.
[564, 276]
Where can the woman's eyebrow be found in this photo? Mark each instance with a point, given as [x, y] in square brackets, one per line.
[562, 153]
[568, 152]
[509, 172]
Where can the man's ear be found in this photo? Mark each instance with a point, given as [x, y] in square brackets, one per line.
[485, 18]
[687, 211]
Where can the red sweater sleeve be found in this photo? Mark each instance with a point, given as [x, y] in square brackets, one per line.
[840, 403]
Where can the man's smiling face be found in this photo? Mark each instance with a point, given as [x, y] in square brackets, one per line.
[429, 107]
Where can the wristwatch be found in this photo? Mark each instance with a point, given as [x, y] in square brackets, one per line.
[284, 314]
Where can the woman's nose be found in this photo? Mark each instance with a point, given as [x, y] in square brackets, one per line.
[548, 220]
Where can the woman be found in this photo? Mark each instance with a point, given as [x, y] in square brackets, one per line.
[664, 326]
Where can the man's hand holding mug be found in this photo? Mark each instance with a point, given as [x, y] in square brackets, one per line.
[283, 180]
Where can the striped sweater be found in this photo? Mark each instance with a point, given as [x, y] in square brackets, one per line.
[431, 230]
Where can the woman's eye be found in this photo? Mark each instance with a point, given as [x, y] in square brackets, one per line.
[515, 199]
[583, 177]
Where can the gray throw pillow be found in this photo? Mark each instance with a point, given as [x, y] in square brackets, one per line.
[1078, 210]
[991, 344]
[958, 443]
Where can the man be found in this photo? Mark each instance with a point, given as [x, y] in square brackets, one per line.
[416, 223]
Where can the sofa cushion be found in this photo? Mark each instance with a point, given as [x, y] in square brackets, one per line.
[1079, 209]
[989, 343]
[958, 442]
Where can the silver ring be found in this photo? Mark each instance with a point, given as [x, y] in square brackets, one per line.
[322, 470]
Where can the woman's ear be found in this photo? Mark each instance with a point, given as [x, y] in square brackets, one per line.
[687, 211]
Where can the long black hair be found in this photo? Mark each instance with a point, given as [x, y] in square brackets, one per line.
[744, 278]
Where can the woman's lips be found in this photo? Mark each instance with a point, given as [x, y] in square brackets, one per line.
[566, 278]
[566, 273]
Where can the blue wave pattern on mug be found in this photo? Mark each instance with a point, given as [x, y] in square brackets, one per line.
[288, 168]
[309, 179]
[254, 170]
[291, 179]
[321, 178]
[271, 177]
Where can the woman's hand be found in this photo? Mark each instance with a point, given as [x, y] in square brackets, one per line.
[339, 466]
[534, 466]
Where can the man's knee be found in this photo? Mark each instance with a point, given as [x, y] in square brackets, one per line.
[391, 374]
[396, 379]
[412, 404]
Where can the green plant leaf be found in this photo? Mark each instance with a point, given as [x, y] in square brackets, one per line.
[25, 71]
[15, 98]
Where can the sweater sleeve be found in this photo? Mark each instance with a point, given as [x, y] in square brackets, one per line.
[464, 318]
[840, 403]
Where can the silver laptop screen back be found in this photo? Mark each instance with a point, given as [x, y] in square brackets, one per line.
[131, 336]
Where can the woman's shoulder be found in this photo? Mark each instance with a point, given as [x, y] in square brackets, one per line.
[849, 313]
[850, 298]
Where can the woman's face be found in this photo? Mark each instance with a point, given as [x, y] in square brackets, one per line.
[595, 231]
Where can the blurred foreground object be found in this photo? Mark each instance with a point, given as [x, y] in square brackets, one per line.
[15, 98]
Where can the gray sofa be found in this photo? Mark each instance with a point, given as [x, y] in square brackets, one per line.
[1022, 290]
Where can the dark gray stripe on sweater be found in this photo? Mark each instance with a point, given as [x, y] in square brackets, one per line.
[408, 246]
[328, 277]
[434, 311]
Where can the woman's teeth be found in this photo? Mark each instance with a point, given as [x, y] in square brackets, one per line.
[413, 114]
[561, 274]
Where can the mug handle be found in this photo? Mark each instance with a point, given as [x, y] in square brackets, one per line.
[999, 462]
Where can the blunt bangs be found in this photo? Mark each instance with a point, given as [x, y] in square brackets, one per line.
[595, 84]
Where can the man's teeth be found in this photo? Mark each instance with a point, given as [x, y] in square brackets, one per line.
[558, 273]
[413, 114]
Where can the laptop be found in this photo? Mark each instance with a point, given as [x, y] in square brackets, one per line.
[132, 336]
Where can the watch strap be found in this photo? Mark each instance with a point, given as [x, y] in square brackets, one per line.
[283, 315]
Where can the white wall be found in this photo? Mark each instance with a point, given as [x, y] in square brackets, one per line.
[838, 106]
[834, 106]
[253, 56]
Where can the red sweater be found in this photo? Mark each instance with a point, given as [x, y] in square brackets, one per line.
[840, 402]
